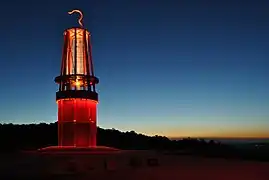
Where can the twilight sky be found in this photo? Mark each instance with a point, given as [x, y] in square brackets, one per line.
[166, 67]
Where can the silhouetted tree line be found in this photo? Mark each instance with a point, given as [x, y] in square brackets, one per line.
[34, 136]
[15, 138]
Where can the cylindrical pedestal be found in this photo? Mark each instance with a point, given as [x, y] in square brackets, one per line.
[77, 122]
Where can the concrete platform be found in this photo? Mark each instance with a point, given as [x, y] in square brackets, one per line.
[77, 150]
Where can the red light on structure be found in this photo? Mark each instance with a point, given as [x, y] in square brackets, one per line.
[77, 97]
[77, 122]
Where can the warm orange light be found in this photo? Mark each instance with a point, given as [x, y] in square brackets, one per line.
[77, 83]
[81, 57]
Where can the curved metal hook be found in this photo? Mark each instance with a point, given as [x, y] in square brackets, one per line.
[81, 16]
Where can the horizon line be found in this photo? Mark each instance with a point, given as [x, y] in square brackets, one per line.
[216, 137]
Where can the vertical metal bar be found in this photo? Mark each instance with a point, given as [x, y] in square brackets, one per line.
[87, 58]
[69, 55]
[69, 59]
[63, 54]
[84, 58]
[84, 47]
[63, 65]
[75, 55]
[90, 53]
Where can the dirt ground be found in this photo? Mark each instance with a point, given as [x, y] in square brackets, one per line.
[112, 166]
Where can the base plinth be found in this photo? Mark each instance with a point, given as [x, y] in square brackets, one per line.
[78, 150]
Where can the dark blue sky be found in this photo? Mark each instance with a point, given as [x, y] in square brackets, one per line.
[167, 67]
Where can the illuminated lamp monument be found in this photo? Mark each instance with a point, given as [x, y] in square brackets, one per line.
[77, 98]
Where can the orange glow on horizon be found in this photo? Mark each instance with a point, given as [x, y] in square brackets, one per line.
[229, 134]
[221, 137]
[248, 130]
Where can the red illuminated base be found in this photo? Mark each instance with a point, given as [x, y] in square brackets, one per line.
[77, 150]
[77, 122]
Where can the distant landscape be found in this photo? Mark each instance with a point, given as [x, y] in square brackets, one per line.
[17, 138]
[234, 141]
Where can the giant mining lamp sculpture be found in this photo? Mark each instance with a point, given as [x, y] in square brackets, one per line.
[77, 98]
